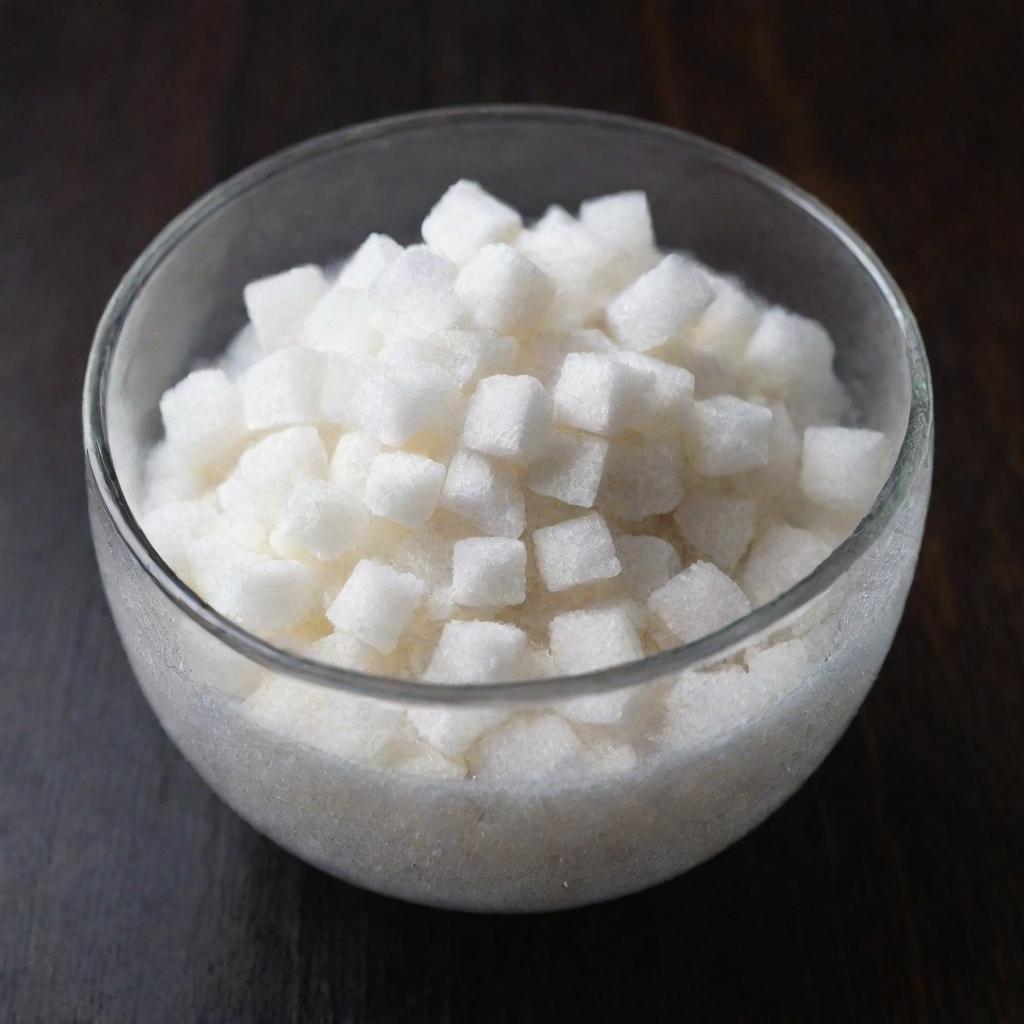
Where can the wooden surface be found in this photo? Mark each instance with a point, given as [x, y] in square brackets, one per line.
[889, 889]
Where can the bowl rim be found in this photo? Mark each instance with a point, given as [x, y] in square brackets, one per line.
[913, 449]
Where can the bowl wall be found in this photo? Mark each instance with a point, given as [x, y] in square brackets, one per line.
[463, 843]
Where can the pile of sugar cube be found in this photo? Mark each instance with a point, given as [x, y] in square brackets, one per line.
[509, 451]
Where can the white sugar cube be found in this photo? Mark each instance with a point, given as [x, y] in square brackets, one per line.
[778, 669]
[320, 521]
[423, 761]
[786, 354]
[353, 728]
[778, 476]
[544, 354]
[730, 436]
[623, 219]
[718, 527]
[666, 402]
[647, 563]
[283, 388]
[267, 471]
[395, 402]
[503, 290]
[465, 356]
[485, 493]
[376, 604]
[243, 350]
[843, 468]
[347, 651]
[585, 268]
[343, 378]
[594, 638]
[641, 479]
[575, 552]
[598, 393]
[351, 461]
[202, 416]
[465, 219]
[278, 305]
[418, 290]
[779, 559]
[659, 306]
[509, 418]
[728, 323]
[263, 595]
[375, 255]
[404, 487]
[698, 601]
[173, 526]
[526, 749]
[169, 476]
[489, 572]
[570, 470]
[345, 322]
[479, 652]
[451, 731]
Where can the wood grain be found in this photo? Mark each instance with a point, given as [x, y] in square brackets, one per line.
[889, 889]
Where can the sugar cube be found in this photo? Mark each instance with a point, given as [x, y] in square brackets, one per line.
[527, 749]
[585, 268]
[465, 356]
[243, 350]
[571, 469]
[283, 388]
[593, 638]
[169, 476]
[787, 353]
[278, 305]
[320, 521]
[171, 527]
[575, 552]
[699, 600]
[647, 563]
[479, 652]
[779, 559]
[543, 354]
[263, 595]
[404, 487]
[660, 304]
[395, 402]
[730, 436]
[503, 290]
[451, 731]
[418, 290]
[778, 476]
[374, 256]
[843, 468]
[509, 418]
[718, 527]
[623, 219]
[728, 323]
[347, 651]
[599, 394]
[202, 416]
[267, 471]
[641, 479]
[351, 461]
[345, 322]
[489, 572]
[465, 219]
[665, 406]
[376, 604]
[353, 728]
[485, 493]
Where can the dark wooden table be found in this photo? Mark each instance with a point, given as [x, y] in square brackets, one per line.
[889, 889]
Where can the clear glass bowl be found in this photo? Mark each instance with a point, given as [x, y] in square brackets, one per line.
[512, 846]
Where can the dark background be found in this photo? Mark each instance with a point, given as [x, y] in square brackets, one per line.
[889, 889]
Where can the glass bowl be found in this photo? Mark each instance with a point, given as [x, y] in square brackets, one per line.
[510, 844]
